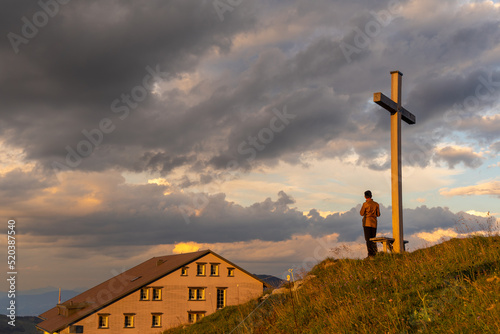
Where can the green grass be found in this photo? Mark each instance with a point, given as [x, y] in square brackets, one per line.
[453, 287]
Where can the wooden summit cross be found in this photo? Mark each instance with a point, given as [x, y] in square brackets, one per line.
[393, 105]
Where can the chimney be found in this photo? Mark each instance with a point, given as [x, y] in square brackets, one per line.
[159, 262]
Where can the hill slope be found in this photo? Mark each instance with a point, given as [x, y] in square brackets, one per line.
[453, 287]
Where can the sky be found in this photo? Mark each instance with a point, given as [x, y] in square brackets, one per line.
[134, 129]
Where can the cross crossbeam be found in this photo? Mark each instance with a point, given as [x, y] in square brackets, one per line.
[398, 113]
[392, 107]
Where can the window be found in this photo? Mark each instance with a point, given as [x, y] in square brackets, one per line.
[214, 269]
[103, 320]
[75, 329]
[195, 316]
[184, 271]
[156, 293]
[200, 269]
[156, 320]
[221, 298]
[196, 293]
[129, 321]
[230, 272]
[144, 294]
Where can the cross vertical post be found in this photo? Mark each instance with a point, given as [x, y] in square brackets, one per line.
[396, 174]
[398, 113]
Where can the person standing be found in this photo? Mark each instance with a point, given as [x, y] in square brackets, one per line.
[370, 211]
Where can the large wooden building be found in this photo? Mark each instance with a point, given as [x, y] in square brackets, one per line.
[158, 294]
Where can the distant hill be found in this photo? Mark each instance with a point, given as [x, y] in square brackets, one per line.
[24, 325]
[35, 302]
[273, 281]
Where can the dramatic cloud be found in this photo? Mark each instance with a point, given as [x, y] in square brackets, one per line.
[453, 155]
[124, 84]
[106, 212]
[132, 127]
[486, 188]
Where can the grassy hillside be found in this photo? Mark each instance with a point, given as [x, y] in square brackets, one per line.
[453, 287]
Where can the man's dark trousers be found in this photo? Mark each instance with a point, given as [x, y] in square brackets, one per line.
[370, 232]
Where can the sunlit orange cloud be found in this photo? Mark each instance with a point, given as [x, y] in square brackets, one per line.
[84, 193]
[161, 182]
[186, 247]
[437, 235]
[485, 188]
[13, 158]
[479, 213]
[324, 214]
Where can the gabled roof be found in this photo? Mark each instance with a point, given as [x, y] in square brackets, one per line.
[118, 287]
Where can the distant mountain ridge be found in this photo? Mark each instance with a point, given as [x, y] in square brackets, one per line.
[37, 301]
[273, 281]
[26, 325]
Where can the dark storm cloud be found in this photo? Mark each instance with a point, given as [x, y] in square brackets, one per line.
[304, 120]
[94, 49]
[86, 63]
[92, 54]
[17, 186]
[450, 98]
[89, 54]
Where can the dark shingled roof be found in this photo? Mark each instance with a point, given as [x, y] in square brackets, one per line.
[118, 287]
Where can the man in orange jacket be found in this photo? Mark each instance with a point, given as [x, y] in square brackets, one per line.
[370, 211]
